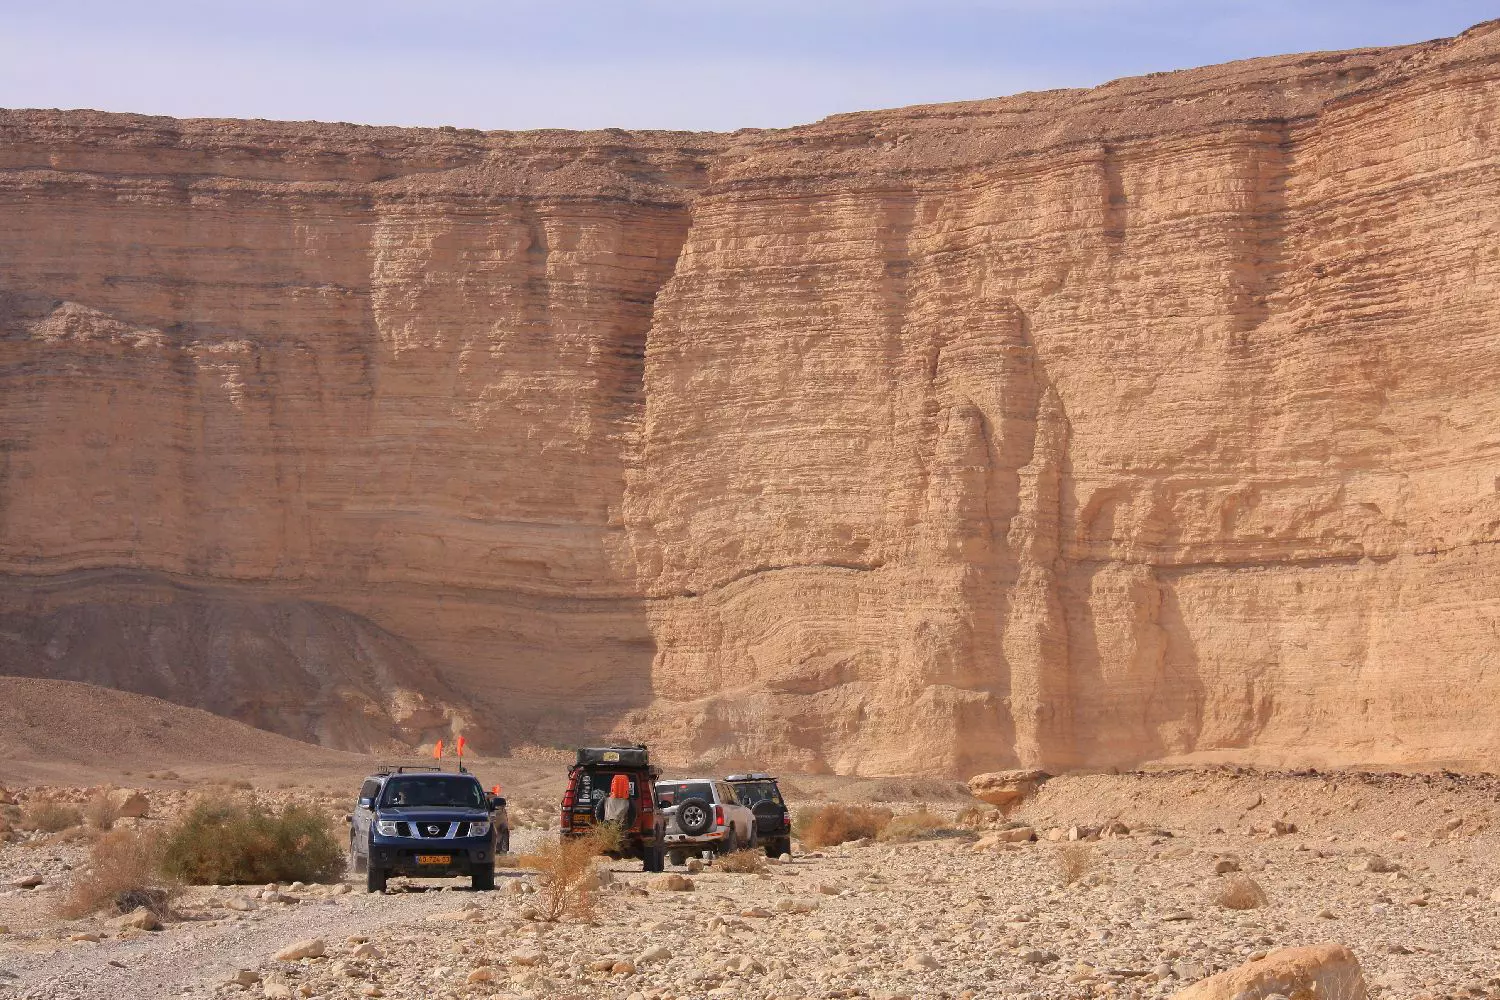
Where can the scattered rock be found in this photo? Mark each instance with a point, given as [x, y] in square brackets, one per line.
[368, 950]
[694, 866]
[130, 803]
[1327, 970]
[1226, 866]
[243, 904]
[656, 953]
[244, 977]
[483, 974]
[920, 963]
[1006, 789]
[30, 882]
[1400, 835]
[276, 991]
[673, 883]
[1036, 956]
[527, 958]
[310, 948]
[140, 919]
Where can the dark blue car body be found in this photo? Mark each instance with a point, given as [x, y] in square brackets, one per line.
[429, 824]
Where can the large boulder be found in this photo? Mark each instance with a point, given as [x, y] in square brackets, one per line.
[130, 803]
[1319, 972]
[1006, 789]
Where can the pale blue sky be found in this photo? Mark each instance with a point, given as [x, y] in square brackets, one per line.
[689, 64]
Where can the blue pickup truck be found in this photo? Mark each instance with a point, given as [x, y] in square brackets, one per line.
[427, 823]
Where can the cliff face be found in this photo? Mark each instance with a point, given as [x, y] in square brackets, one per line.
[1075, 428]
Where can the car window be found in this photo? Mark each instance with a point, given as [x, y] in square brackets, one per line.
[369, 789]
[753, 793]
[433, 791]
[726, 792]
[673, 792]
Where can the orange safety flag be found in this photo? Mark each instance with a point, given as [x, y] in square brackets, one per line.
[495, 790]
[437, 751]
[461, 742]
[619, 787]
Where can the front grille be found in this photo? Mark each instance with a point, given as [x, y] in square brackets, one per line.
[403, 829]
[434, 831]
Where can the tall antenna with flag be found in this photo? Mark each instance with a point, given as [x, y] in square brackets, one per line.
[461, 743]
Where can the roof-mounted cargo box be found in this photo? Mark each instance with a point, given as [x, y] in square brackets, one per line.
[631, 755]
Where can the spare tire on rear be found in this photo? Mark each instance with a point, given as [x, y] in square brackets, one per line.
[694, 817]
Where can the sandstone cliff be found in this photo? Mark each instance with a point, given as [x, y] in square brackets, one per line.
[1075, 428]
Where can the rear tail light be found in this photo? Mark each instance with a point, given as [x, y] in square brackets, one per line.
[718, 815]
[566, 822]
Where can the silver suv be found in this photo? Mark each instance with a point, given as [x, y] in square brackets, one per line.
[703, 813]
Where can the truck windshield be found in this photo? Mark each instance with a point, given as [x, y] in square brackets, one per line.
[427, 791]
[753, 793]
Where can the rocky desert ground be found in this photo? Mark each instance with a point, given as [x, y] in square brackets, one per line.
[1402, 869]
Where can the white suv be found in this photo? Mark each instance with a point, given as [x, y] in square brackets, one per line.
[703, 812]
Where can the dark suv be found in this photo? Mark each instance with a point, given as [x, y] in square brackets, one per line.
[773, 823]
[424, 822]
[594, 776]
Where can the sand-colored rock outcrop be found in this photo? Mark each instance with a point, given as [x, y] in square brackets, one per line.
[1311, 973]
[1075, 428]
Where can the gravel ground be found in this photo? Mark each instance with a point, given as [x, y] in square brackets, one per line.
[934, 918]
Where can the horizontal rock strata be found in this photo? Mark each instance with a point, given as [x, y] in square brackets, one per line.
[1068, 429]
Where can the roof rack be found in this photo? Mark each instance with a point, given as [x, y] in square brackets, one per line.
[403, 768]
[752, 776]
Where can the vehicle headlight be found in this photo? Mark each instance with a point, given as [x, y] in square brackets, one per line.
[385, 827]
[479, 828]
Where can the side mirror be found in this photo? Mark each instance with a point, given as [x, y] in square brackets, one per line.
[348, 818]
[497, 802]
[366, 803]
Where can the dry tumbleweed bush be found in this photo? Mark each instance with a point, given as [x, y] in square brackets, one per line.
[123, 873]
[565, 876]
[747, 862]
[1240, 892]
[1074, 861]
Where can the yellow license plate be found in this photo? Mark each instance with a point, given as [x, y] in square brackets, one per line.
[434, 859]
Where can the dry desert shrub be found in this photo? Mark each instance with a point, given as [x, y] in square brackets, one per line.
[607, 837]
[1240, 892]
[101, 812]
[50, 817]
[748, 862]
[229, 842]
[826, 826]
[914, 826]
[565, 876]
[124, 872]
[977, 817]
[1074, 861]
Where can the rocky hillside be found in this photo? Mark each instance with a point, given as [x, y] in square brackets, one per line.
[1074, 428]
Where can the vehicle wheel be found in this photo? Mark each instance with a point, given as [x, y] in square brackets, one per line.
[694, 817]
[782, 846]
[754, 841]
[375, 879]
[357, 863]
[679, 858]
[502, 843]
[655, 860]
[483, 879]
[731, 841]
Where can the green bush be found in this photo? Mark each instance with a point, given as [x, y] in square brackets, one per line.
[225, 842]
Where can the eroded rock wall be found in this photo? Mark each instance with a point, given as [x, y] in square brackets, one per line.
[1077, 428]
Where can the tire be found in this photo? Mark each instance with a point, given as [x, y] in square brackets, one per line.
[357, 863]
[482, 879]
[731, 841]
[679, 858]
[694, 817]
[502, 843]
[375, 879]
[655, 857]
[754, 840]
[775, 848]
